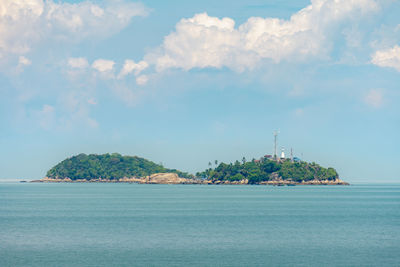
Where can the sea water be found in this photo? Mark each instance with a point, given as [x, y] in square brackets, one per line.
[93, 224]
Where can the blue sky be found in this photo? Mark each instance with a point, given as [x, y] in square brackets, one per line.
[185, 83]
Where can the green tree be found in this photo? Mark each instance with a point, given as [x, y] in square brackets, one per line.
[258, 171]
[108, 166]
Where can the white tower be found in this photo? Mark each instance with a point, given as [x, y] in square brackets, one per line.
[283, 153]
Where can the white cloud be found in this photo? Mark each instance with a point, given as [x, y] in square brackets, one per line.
[23, 61]
[97, 11]
[131, 66]
[202, 41]
[103, 65]
[374, 98]
[205, 41]
[142, 79]
[78, 63]
[387, 58]
[23, 23]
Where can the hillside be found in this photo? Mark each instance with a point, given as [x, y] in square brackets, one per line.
[263, 170]
[107, 166]
[117, 168]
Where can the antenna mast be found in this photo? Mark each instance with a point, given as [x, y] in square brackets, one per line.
[276, 145]
[291, 154]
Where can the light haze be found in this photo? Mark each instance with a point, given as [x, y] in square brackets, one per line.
[188, 82]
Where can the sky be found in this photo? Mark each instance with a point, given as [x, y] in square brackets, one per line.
[188, 82]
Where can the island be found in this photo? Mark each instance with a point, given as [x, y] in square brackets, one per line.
[115, 168]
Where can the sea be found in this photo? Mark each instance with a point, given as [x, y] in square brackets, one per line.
[93, 224]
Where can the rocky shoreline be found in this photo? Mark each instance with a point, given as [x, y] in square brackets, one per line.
[173, 178]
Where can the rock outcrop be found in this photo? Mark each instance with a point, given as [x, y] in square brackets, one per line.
[280, 181]
[157, 178]
[165, 178]
[173, 178]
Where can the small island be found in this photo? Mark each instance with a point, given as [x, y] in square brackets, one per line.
[115, 168]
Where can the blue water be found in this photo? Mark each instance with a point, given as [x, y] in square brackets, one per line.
[198, 225]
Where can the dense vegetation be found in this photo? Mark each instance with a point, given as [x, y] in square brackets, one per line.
[265, 169]
[107, 166]
[115, 166]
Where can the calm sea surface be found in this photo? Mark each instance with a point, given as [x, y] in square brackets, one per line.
[198, 225]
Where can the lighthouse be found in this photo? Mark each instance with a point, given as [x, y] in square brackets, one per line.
[283, 153]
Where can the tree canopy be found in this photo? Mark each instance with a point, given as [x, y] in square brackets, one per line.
[265, 169]
[107, 166]
[115, 166]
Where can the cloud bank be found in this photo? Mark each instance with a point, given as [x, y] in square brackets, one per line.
[204, 41]
[24, 23]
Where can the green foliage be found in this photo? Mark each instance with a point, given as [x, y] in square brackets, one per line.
[306, 171]
[107, 166]
[115, 166]
[264, 169]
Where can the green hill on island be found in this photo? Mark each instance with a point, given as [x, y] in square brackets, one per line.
[265, 169]
[107, 166]
[115, 167]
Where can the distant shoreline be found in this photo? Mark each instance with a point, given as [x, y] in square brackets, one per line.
[172, 178]
[267, 170]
